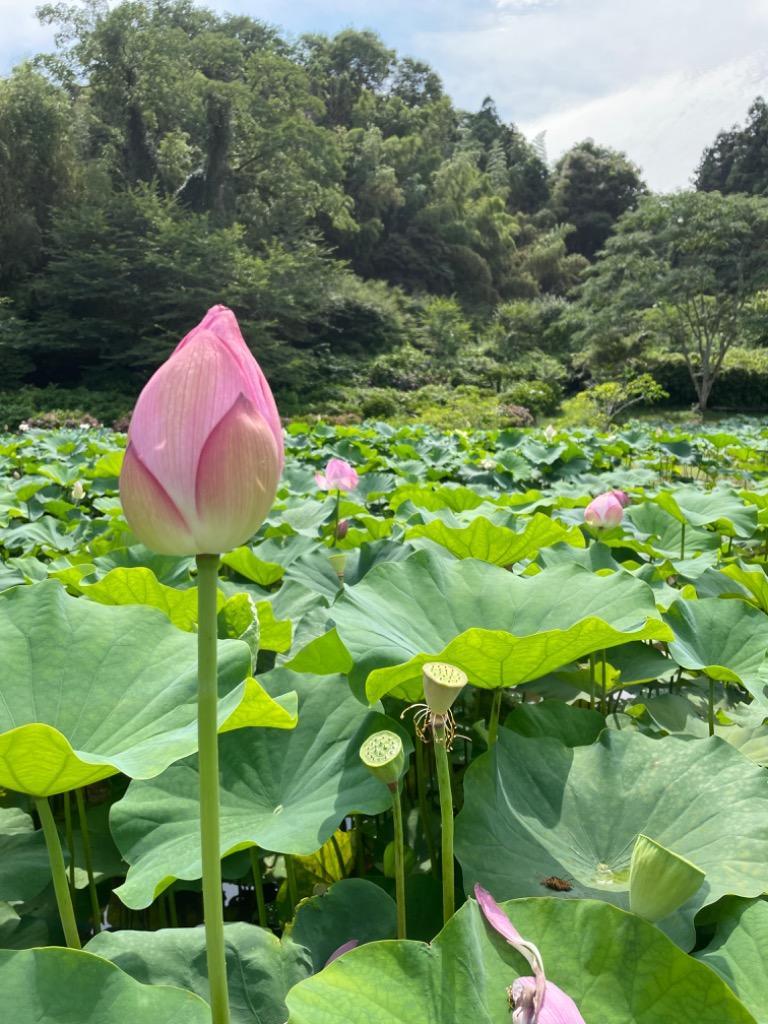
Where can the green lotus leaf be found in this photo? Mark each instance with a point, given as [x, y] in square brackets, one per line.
[616, 967]
[499, 545]
[249, 565]
[663, 534]
[574, 727]
[22, 931]
[90, 690]
[125, 586]
[501, 629]
[52, 985]
[353, 908]
[283, 791]
[534, 809]
[727, 640]
[739, 954]
[260, 968]
[24, 867]
[753, 579]
[722, 508]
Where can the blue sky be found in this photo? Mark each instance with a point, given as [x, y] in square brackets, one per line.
[656, 78]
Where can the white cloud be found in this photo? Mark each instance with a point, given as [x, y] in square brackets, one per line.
[663, 123]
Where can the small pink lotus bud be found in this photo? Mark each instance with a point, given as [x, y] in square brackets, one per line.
[338, 476]
[205, 445]
[606, 510]
[341, 529]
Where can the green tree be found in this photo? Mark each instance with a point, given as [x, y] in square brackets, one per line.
[737, 161]
[682, 271]
[592, 186]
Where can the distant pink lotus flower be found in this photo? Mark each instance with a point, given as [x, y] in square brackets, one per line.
[534, 1000]
[205, 445]
[338, 476]
[606, 510]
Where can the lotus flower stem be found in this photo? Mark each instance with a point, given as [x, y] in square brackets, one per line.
[336, 516]
[58, 873]
[493, 719]
[173, 917]
[397, 814]
[258, 886]
[424, 810]
[290, 877]
[70, 840]
[339, 856]
[592, 682]
[603, 699]
[711, 708]
[446, 816]
[208, 746]
[359, 845]
[682, 541]
[85, 836]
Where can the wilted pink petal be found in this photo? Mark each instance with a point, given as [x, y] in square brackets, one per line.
[338, 476]
[205, 444]
[623, 497]
[606, 510]
[498, 920]
[342, 950]
[556, 1007]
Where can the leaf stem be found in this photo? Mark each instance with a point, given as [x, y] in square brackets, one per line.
[70, 840]
[85, 837]
[58, 873]
[424, 811]
[258, 886]
[592, 682]
[682, 542]
[290, 876]
[711, 708]
[208, 747]
[603, 700]
[397, 813]
[493, 719]
[446, 816]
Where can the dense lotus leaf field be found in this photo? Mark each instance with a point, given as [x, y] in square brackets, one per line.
[609, 774]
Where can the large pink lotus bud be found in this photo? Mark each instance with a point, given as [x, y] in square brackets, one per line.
[205, 445]
[338, 476]
[606, 510]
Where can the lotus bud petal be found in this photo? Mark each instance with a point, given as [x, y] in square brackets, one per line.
[342, 950]
[442, 685]
[549, 433]
[205, 445]
[338, 476]
[606, 510]
[660, 880]
[383, 756]
[78, 491]
[342, 529]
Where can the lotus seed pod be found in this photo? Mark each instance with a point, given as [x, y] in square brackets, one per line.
[338, 561]
[660, 880]
[442, 685]
[383, 755]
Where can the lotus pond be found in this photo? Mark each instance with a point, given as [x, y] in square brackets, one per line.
[598, 766]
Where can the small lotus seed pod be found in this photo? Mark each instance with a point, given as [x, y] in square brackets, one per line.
[338, 561]
[660, 880]
[442, 685]
[383, 755]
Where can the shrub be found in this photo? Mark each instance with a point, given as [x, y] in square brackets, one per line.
[742, 385]
[515, 416]
[29, 404]
[379, 406]
[538, 396]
